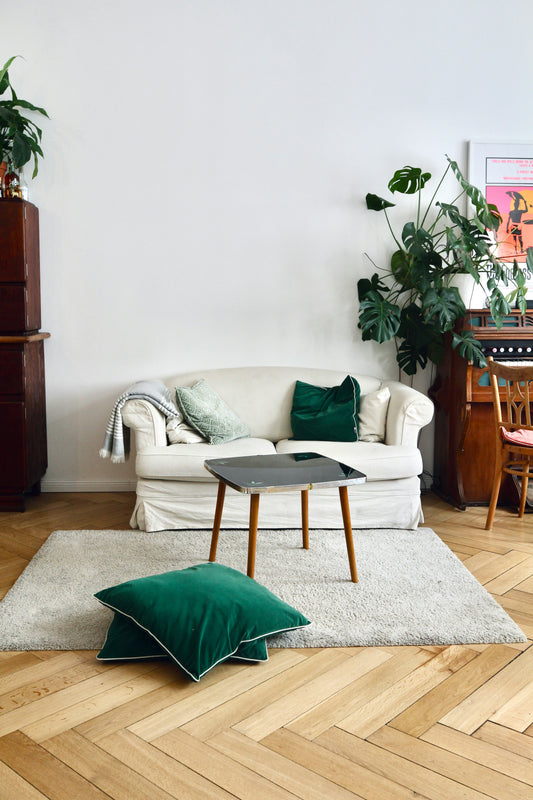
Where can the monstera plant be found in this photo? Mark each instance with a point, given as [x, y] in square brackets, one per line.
[414, 300]
[20, 137]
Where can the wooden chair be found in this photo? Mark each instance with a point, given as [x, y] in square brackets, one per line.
[512, 388]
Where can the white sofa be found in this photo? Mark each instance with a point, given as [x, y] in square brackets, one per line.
[175, 491]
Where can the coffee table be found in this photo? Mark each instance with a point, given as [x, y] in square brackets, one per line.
[282, 472]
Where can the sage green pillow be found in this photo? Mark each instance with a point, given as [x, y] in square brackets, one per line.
[324, 414]
[126, 641]
[201, 615]
[206, 411]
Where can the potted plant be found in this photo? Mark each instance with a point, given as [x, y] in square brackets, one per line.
[414, 299]
[20, 137]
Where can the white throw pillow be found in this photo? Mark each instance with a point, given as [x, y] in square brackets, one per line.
[373, 409]
[179, 432]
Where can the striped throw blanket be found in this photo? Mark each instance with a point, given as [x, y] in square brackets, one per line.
[117, 436]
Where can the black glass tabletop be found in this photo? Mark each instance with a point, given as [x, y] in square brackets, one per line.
[282, 471]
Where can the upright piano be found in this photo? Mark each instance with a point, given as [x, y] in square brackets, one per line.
[464, 421]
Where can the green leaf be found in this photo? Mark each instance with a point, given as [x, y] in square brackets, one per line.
[402, 268]
[366, 285]
[469, 348]
[443, 307]
[375, 203]
[4, 77]
[378, 318]
[499, 307]
[22, 150]
[408, 180]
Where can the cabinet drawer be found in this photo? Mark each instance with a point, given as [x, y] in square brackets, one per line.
[13, 442]
[13, 309]
[11, 371]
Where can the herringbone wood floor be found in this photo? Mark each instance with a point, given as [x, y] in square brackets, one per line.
[445, 723]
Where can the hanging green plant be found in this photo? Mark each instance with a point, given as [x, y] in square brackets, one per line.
[413, 300]
[20, 137]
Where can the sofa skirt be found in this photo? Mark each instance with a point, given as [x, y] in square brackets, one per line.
[175, 505]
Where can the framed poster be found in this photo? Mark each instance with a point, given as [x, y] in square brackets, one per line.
[504, 172]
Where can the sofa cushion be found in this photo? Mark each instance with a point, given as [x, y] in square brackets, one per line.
[373, 409]
[379, 462]
[208, 413]
[186, 461]
[326, 413]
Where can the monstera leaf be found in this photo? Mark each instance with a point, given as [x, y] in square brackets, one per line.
[443, 306]
[408, 180]
[469, 348]
[376, 203]
[378, 318]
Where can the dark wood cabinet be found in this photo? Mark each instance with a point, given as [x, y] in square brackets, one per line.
[464, 422]
[23, 449]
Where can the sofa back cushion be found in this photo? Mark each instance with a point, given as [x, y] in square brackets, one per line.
[262, 396]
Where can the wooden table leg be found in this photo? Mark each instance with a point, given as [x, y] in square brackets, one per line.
[218, 518]
[305, 518]
[345, 506]
[252, 536]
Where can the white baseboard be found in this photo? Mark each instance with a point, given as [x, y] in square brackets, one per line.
[88, 486]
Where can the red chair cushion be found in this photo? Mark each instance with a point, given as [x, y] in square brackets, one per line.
[524, 438]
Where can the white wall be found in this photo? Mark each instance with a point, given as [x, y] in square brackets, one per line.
[202, 193]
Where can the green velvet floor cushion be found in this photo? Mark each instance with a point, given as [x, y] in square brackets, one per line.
[126, 641]
[326, 414]
[201, 615]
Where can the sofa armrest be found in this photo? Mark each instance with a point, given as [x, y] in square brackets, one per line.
[148, 423]
[409, 411]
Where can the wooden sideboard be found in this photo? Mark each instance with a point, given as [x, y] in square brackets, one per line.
[464, 421]
[22, 387]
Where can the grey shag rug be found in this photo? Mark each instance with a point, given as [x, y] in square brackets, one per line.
[412, 589]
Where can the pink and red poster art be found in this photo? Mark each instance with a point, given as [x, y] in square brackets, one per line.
[508, 184]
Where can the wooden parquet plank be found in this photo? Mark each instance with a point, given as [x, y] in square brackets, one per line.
[47, 774]
[513, 576]
[364, 781]
[164, 771]
[302, 782]
[224, 716]
[66, 717]
[103, 770]
[476, 709]
[486, 567]
[517, 712]
[289, 667]
[33, 713]
[403, 767]
[13, 787]
[47, 682]
[506, 739]
[419, 717]
[482, 752]
[31, 669]
[455, 767]
[232, 776]
[391, 702]
[293, 704]
[361, 691]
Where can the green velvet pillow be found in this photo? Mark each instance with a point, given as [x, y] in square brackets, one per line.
[125, 641]
[201, 615]
[326, 414]
[206, 411]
